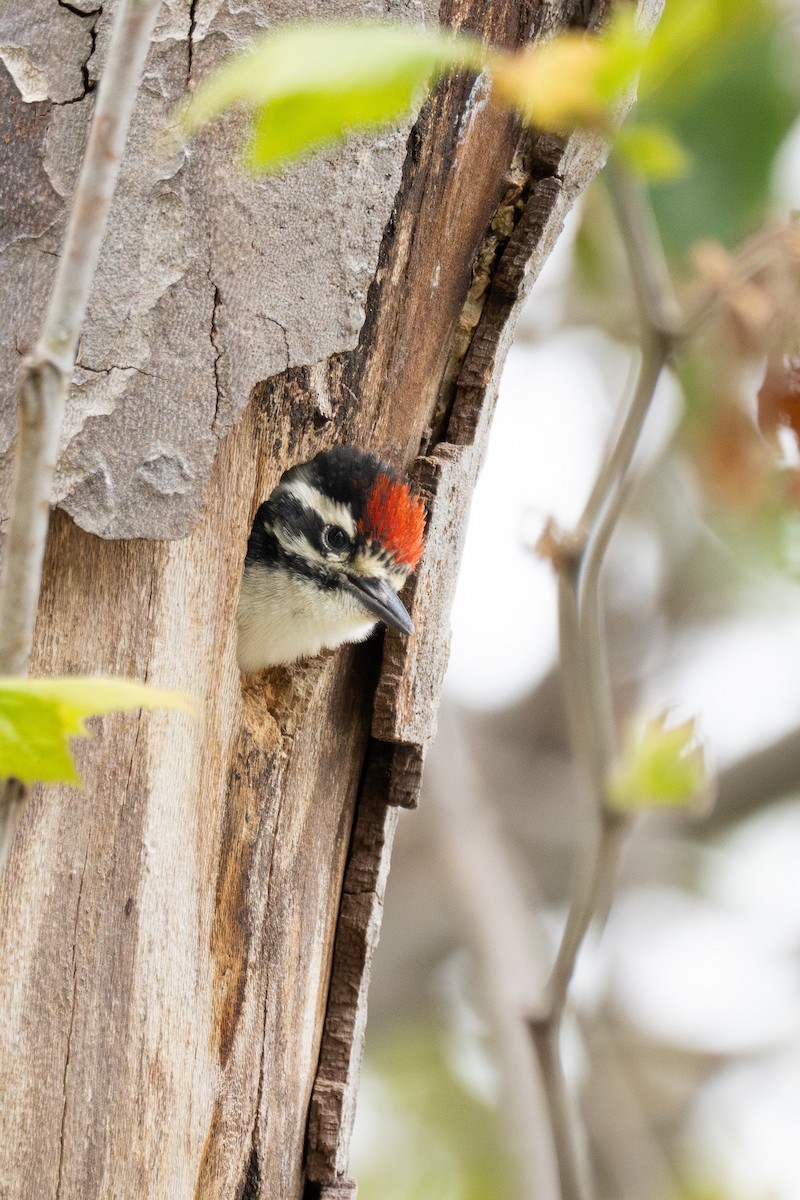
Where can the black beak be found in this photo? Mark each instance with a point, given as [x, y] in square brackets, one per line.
[382, 601]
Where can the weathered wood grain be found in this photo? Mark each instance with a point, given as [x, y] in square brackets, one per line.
[412, 670]
[209, 281]
[168, 933]
[333, 1099]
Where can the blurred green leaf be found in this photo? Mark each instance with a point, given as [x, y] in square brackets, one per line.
[661, 767]
[690, 38]
[730, 107]
[39, 716]
[574, 80]
[294, 125]
[651, 152]
[311, 84]
[436, 1139]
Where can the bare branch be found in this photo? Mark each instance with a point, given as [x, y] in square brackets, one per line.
[648, 265]
[47, 372]
[510, 966]
[596, 685]
[573, 1168]
[587, 902]
[584, 657]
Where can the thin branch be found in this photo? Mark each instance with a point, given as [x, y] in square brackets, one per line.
[748, 263]
[510, 965]
[574, 1175]
[584, 656]
[596, 684]
[656, 350]
[661, 318]
[581, 726]
[46, 373]
[571, 1156]
[588, 900]
[650, 275]
[587, 685]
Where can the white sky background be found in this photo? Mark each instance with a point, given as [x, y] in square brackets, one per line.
[718, 968]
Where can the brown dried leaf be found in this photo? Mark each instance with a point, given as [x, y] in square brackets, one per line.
[734, 465]
[779, 399]
[556, 545]
[714, 265]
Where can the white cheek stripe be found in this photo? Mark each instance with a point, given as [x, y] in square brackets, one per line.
[297, 544]
[331, 511]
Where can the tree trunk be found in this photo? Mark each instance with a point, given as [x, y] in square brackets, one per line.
[168, 932]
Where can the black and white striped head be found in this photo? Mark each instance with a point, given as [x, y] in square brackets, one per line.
[328, 552]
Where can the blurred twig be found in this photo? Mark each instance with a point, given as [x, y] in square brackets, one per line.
[774, 246]
[625, 1139]
[750, 784]
[47, 372]
[579, 558]
[502, 938]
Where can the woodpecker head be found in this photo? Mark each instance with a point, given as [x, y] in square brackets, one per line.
[328, 552]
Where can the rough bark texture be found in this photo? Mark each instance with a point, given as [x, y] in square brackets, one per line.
[168, 933]
[210, 281]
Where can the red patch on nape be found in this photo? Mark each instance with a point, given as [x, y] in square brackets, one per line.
[395, 517]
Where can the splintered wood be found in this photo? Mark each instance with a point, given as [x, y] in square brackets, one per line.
[409, 687]
[333, 1099]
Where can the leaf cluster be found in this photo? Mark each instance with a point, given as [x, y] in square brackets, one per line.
[310, 85]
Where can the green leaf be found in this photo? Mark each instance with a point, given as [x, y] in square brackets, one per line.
[689, 39]
[661, 767]
[33, 741]
[651, 152]
[311, 84]
[574, 80]
[416, 1092]
[38, 717]
[625, 45]
[730, 105]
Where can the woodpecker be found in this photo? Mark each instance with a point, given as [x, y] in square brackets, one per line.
[327, 555]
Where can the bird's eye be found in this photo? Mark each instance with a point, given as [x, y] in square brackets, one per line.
[335, 538]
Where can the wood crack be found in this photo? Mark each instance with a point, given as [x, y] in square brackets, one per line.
[213, 333]
[190, 41]
[275, 321]
[89, 84]
[115, 367]
[252, 1177]
[71, 1024]
[332, 1108]
[506, 217]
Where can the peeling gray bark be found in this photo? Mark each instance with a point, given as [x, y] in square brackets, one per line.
[210, 281]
